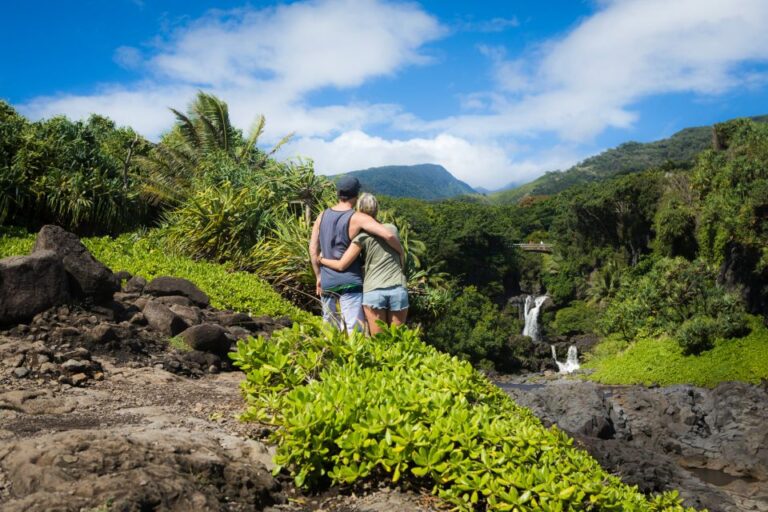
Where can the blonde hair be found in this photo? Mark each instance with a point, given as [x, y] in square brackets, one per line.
[367, 203]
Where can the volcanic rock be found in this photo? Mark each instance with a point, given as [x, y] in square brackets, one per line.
[103, 333]
[174, 300]
[165, 285]
[31, 284]
[161, 318]
[191, 315]
[207, 338]
[135, 284]
[89, 277]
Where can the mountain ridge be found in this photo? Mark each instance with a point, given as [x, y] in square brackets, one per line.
[680, 148]
[421, 181]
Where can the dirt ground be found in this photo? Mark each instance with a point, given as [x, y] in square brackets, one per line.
[146, 439]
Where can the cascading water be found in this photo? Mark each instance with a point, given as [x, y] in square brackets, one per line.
[531, 329]
[532, 308]
[571, 363]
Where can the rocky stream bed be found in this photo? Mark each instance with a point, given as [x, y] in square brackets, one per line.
[711, 445]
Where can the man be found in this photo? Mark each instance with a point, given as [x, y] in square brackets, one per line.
[332, 233]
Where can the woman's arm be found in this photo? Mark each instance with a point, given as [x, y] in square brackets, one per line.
[350, 255]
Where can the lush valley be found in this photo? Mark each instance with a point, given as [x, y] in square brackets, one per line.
[662, 266]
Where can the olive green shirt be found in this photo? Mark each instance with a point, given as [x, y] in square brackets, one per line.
[382, 263]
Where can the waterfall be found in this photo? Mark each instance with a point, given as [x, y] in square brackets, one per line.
[571, 364]
[532, 307]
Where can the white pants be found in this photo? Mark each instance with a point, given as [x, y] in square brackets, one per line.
[351, 305]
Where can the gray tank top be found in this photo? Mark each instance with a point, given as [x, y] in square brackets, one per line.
[334, 241]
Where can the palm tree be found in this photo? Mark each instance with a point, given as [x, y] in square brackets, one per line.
[203, 143]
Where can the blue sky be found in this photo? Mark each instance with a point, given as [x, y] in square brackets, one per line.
[496, 91]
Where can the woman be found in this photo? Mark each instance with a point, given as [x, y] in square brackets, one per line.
[385, 297]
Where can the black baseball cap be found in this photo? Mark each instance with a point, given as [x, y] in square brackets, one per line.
[348, 186]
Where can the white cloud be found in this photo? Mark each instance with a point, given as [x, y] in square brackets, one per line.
[265, 62]
[303, 46]
[589, 80]
[128, 57]
[489, 26]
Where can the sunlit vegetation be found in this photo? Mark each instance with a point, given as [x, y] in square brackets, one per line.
[350, 408]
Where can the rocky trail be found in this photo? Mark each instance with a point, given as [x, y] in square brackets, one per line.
[144, 438]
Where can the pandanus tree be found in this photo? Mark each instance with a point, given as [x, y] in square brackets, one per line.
[78, 174]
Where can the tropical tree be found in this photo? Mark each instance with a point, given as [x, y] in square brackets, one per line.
[204, 146]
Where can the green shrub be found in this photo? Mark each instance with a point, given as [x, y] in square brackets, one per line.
[577, 318]
[697, 334]
[348, 408]
[15, 242]
[219, 223]
[673, 291]
[659, 360]
[561, 287]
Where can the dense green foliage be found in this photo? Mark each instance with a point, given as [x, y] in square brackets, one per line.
[732, 186]
[473, 328]
[679, 298]
[697, 334]
[142, 255]
[577, 318]
[473, 243]
[348, 408]
[425, 181]
[660, 361]
[81, 175]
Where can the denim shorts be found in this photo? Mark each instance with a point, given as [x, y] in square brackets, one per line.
[394, 298]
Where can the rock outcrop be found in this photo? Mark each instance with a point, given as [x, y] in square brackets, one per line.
[90, 279]
[31, 284]
[710, 444]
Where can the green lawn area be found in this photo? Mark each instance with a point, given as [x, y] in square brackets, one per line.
[660, 361]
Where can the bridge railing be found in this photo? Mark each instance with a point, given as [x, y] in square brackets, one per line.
[535, 247]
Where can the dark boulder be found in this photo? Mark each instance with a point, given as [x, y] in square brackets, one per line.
[135, 284]
[177, 300]
[90, 279]
[31, 284]
[165, 285]
[191, 315]
[207, 338]
[161, 318]
[103, 333]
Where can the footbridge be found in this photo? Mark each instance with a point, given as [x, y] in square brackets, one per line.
[536, 247]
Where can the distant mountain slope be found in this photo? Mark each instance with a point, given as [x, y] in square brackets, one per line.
[424, 181]
[682, 147]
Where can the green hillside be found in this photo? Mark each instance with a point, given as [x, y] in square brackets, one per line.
[680, 148]
[424, 181]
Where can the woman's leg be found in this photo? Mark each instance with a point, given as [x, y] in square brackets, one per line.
[398, 317]
[372, 315]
